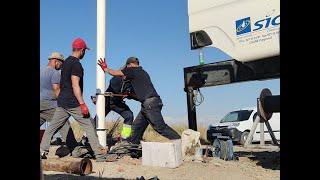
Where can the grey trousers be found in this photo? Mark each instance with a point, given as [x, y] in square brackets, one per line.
[46, 114]
[60, 118]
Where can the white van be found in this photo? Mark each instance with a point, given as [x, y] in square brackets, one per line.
[237, 125]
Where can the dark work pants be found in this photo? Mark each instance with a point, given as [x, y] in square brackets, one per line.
[150, 113]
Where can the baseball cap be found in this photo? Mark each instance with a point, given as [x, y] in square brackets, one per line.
[79, 44]
[56, 55]
[132, 60]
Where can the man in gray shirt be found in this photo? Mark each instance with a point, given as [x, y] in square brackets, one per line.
[49, 91]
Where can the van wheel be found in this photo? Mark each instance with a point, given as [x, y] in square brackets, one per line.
[217, 148]
[220, 149]
[244, 137]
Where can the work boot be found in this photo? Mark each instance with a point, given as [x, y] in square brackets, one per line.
[43, 155]
[84, 141]
[58, 141]
[62, 151]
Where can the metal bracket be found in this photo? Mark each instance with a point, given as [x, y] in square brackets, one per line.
[111, 94]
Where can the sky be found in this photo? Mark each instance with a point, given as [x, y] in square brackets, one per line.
[157, 33]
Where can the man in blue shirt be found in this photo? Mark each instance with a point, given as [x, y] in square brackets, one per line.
[49, 91]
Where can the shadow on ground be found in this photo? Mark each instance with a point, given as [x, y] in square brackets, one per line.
[265, 159]
[75, 177]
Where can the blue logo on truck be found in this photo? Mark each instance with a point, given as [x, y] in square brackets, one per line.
[244, 25]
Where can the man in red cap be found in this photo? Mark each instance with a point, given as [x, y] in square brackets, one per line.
[71, 103]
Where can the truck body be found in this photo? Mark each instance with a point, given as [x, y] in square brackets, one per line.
[246, 30]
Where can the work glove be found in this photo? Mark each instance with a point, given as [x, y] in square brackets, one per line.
[102, 63]
[84, 110]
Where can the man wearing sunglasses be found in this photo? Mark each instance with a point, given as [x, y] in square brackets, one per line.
[49, 91]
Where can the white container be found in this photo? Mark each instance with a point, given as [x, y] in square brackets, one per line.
[162, 154]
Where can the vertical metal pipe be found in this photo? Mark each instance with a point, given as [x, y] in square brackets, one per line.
[192, 115]
[261, 134]
[101, 39]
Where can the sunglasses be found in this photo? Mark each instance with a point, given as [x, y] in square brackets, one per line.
[59, 60]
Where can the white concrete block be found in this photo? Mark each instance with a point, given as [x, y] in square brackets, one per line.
[162, 154]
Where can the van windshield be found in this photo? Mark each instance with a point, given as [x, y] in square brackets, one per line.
[236, 116]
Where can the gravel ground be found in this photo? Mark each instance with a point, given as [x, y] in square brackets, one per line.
[252, 164]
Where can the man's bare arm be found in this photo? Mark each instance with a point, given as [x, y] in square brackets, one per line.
[56, 89]
[114, 72]
[76, 88]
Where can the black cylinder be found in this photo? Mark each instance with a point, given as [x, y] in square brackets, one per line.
[192, 113]
[271, 104]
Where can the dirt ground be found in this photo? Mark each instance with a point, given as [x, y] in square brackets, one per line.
[252, 164]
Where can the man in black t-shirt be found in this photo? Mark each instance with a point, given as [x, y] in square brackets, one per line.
[151, 103]
[71, 103]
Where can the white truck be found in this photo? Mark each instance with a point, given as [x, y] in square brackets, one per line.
[246, 30]
[237, 125]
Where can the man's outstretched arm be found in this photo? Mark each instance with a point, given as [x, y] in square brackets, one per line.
[102, 63]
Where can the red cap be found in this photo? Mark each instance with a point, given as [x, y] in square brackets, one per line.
[79, 44]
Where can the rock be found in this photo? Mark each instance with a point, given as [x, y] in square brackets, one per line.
[217, 164]
[190, 140]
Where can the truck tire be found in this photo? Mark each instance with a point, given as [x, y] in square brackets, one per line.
[244, 137]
